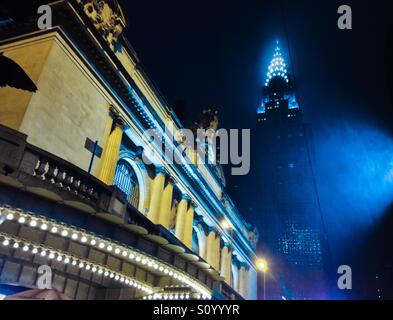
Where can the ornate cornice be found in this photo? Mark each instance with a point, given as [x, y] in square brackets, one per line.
[107, 17]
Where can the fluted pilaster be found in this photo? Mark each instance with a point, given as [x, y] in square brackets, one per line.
[212, 249]
[181, 217]
[107, 165]
[188, 225]
[243, 281]
[226, 263]
[166, 204]
[156, 195]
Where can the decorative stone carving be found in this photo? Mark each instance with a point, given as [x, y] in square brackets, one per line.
[207, 119]
[107, 16]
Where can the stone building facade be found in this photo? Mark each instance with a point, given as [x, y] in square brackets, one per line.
[127, 230]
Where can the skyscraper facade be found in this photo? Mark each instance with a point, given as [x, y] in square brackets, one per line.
[286, 192]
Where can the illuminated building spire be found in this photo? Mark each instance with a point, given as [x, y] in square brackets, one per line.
[277, 67]
[278, 93]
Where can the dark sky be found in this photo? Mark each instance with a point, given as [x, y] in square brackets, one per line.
[215, 54]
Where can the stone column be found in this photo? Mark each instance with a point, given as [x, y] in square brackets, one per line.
[166, 204]
[202, 246]
[252, 284]
[188, 226]
[105, 138]
[226, 263]
[201, 236]
[181, 217]
[156, 195]
[235, 269]
[217, 252]
[243, 281]
[212, 249]
[111, 151]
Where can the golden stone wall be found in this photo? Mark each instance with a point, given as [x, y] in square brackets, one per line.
[14, 102]
[68, 106]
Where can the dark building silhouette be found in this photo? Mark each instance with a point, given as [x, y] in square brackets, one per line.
[286, 194]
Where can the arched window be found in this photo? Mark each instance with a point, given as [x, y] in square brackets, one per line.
[126, 181]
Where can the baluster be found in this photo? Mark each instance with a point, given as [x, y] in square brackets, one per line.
[90, 191]
[50, 175]
[40, 171]
[60, 177]
[76, 185]
[68, 181]
[83, 189]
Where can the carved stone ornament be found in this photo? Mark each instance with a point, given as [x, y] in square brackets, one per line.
[107, 16]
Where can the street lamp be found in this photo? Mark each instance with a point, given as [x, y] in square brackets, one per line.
[262, 266]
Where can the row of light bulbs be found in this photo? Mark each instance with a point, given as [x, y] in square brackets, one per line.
[51, 254]
[77, 235]
[173, 296]
[277, 68]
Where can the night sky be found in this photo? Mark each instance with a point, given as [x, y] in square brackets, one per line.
[215, 54]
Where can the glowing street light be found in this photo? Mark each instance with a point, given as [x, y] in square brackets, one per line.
[262, 266]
